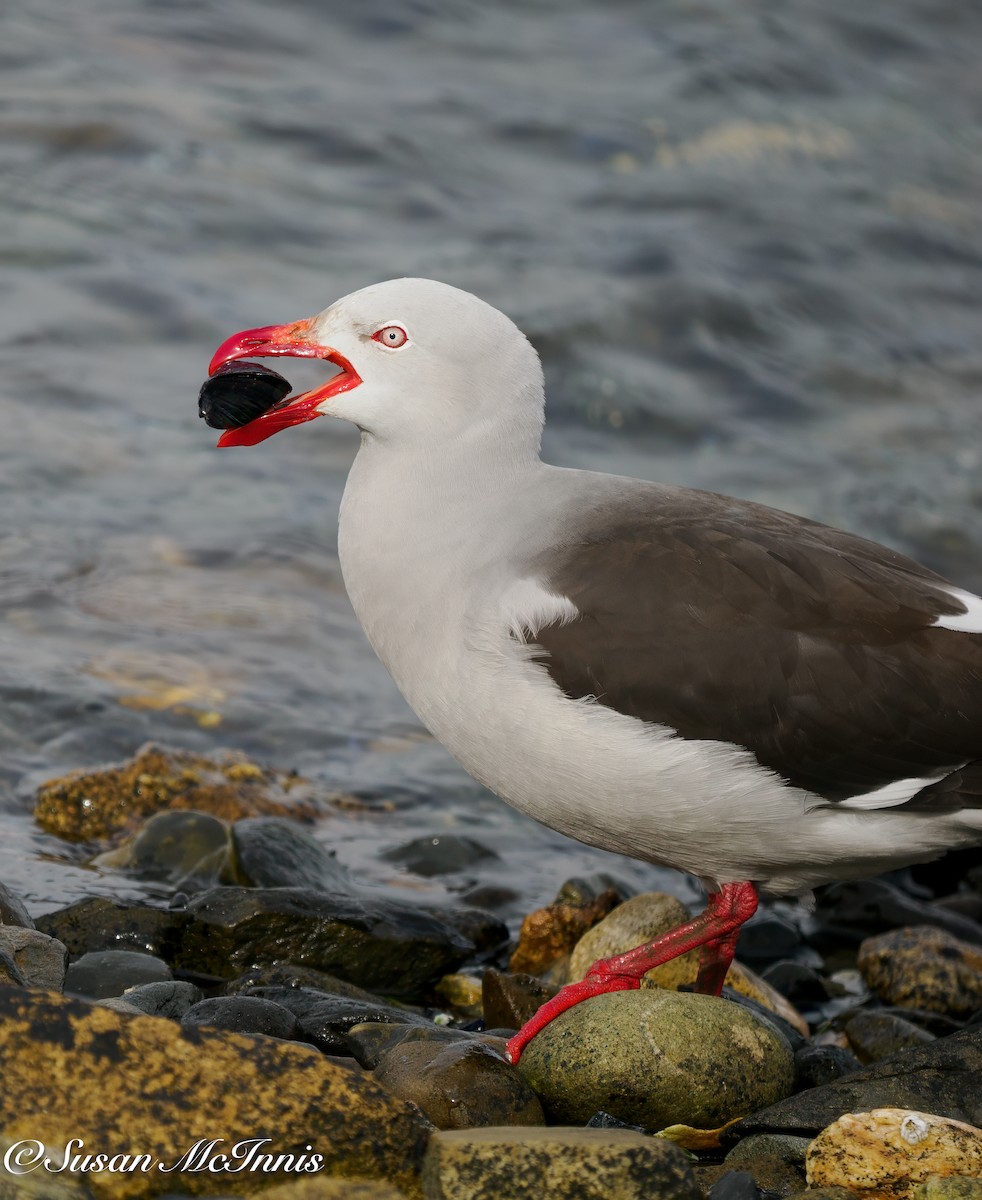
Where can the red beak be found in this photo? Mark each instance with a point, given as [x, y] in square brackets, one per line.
[290, 341]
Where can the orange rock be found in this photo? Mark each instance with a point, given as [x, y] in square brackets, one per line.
[549, 934]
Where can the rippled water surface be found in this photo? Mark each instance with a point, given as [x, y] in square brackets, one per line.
[745, 237]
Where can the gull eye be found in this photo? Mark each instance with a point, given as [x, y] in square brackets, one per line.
[392, 336]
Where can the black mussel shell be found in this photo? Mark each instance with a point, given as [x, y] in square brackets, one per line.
[239, 392]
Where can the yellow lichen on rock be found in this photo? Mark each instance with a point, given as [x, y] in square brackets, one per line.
[145, 1086]
[90, 805]
[884, 1154]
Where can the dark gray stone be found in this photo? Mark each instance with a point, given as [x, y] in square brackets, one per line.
[13, 910]
[852, 911]
[817, 1065]
[273, 852]
[441, 854]
[105, 973]
[169, 998]
[940, 1078]
[734, 1185]
[244, 1014]
[324, 1020]
[38, 959]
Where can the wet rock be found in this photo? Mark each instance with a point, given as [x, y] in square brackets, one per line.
[93, 805]
[923, 967]
[884, 1154]
[549, 934]
[37, 959]
[442, 854]
[291, 975]
[13, 910]
[846, 913]
[876, 1035]
[118, 1004]
[462, 993]
[955, 1187]
[816, 1065]
[370, 1043]
[510, 1000]
[582, 890]
[941, 1077]
[643, 918]
[105, 973]
[776, 1161]
[99, 923]
[272, 852]
[657, 1058]
[74, 1070]
[381, 944]
[459, 1084]
[734, 1185]
[168, 998]
[395, 947]
[577, 1164]
[190, 850]
[324, 1020]
[483, 929]
[244, 1014]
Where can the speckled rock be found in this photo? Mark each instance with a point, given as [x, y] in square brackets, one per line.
[13, 910]
[508, 1001]
[643, 918]
[104, 973]
[876, 1035]
[459, 1085]
[169, 998]
[954, 1187]
[243, 1014]
[273, 852]
[533, 1164]
[924, 967]
[318, 1188]
[824, 1193]
[884, 1154]
[657, 1058]
[548, 935]
[190, 850]
[93, 805]
[39, 960]
[73, 1070]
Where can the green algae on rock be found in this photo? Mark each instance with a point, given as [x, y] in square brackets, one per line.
[656, 1058]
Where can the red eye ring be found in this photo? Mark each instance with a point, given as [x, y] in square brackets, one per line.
[392, 337]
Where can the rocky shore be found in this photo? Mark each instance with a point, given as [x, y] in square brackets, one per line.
[272, 1026]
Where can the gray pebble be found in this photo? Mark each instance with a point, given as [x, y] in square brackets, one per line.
[244, 1014]
[104, 973]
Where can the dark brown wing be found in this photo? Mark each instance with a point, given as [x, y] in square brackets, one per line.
[730, 621]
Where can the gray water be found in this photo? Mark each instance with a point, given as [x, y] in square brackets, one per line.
[745, 236]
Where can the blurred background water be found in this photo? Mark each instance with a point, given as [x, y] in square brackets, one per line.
[744, 235]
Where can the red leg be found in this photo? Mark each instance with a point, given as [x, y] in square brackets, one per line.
[716, 929]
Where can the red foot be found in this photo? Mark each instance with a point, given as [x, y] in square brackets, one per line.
[716, 930]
